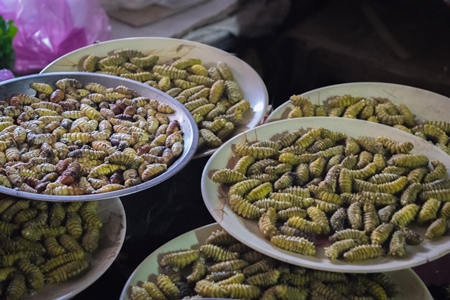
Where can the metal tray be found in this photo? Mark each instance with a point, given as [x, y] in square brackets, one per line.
[187, 123]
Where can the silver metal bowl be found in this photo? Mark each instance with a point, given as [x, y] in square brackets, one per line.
[187, 123]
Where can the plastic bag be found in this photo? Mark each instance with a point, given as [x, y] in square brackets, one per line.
[6, 74]
[49, 29]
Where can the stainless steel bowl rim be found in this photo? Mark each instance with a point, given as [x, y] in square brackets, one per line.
[189, 146]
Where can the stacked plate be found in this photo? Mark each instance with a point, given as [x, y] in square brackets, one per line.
[424, 105]
[21, 109]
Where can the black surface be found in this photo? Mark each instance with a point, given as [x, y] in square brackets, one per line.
[154, 217]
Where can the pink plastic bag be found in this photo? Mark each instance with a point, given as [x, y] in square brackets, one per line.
[6, 74]
[49, 29]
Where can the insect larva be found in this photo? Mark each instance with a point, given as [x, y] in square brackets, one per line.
[259, 192]
[363, 252]
[198, 270]
[373, 288]
[381, 233]
[304, 225]
[439, 172]
[350, 234]
[139, 293]
[66, 271]
[227, 176]
[90, 239]
[304, 104]
[385, 213]
[231, 265]
[220, 275]
[265, 203]
[369, 170]
[405, 215]
[284, 215]
[180, 259]
[261, 266]
[416, 175]
[444, 212]
[412, 237]
[337, 219]
[319, 217]
[336, 249]
[245, 208]
[370, 144]
[408, 160]
[242, 291]
[383, 178]
[60, 260]
[25, 215]
[409, 195]
[395, 147]
[69, 243]
[266, 223]
[364, 158]
[397, 244]
[53, 247]
[252, 256]
[220, 238]
[256, 152]
[436, 229]
[322, 291]
[241, 188]
[432, 133]
[208, 289]
[395, 170]
[88, 213]
[236, 278]
[428, 211]
[394, 186]
[217, 253]
[439, 194]
[326, 276]
[36, 233]
[354, 215]
[286, 180]
[33, 274]
[145, 62]
[391, 288]
[295, 244]
[265, 279]
[16, 287]
[370, 217]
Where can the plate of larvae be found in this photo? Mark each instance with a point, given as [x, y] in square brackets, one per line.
[413, 110]
[223, 93]
[210, 263]
[55, 250]
[82, 137]
[332, 194]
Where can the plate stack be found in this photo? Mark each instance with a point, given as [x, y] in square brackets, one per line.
[324, 202]
[64, 166]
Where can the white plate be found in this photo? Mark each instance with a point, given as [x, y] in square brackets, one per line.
[112, 235]
[247, 231]
[411, 287]
[425, 105]
[252, 86]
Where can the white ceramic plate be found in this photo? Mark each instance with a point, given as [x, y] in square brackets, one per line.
[247, 231]
[425, 105]
[112, 235]
[411, 287]
[252, 86]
